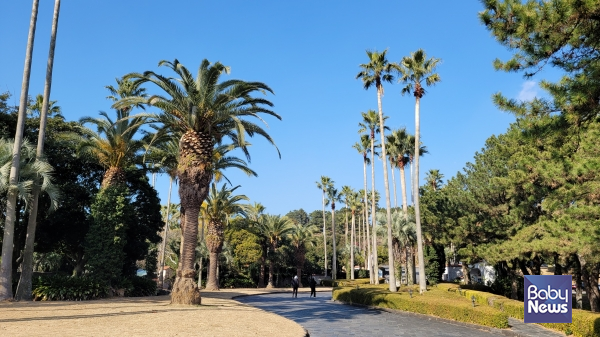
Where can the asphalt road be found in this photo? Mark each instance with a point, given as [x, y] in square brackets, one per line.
[323, 317]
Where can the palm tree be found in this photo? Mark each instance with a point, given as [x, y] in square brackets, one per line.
[36, 108]
[364, 147]
[416, 69]
[273, 228]
[354, 203]
[323, 185]
[11, 199]
[345, 191]
[434, 179]
[24, 286]
[204, 112]
[411, 156]
[393, 150]
[114, 143]
[302, 237]
[404, 237]
[255, 213]
[333, 196]
[220, 205]
[371, 123]
[377, 71]
[402, 149]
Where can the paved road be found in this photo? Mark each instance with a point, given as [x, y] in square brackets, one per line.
[323, 317]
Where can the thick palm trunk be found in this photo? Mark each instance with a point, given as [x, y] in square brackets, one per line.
[374, 263]
[24, 287]
[270, 284]
[194, 179]
[214, 243]
[200, 266]
[113, 176]
[352, 247]
[324, 237]
[392, 284]
[212, 282]
[9, 227]
[415, 184]
[334, 258]
[164, 243]
[261, 276]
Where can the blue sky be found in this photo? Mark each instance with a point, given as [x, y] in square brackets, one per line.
[308, 51]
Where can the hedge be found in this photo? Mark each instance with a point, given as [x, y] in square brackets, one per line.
[344, 283]
[436, 302]
[585, 323]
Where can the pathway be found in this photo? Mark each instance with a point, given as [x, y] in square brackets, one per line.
[323, 317]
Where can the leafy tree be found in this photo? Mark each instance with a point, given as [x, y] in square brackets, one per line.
[415, 71]
[203, 111]
[273, 229]
[301, 237]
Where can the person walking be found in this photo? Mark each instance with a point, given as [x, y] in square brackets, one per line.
[312, 283]
[295, 285]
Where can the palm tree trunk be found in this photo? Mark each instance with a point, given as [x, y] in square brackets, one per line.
[212, 283]
[214, 243]
[334, 258]
[164, 243]
[374, 262]
[324, 236]
[270, 284]
[24, 287]
[261, 276]
[392, 284]
[9, 227]
[200, 273]
[367, 237]
[346, 232]
[404, 197]
[415, 184]
[394, 184]
[351, 271]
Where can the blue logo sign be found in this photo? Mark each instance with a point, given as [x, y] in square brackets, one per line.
[548, 299]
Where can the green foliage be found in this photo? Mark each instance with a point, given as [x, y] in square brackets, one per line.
[432, 265]
[136, 286]
[239, 281]
[436, 302]
[68, 288]
[363, 273]
[105, 242]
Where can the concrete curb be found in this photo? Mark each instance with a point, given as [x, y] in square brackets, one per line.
[507, 333]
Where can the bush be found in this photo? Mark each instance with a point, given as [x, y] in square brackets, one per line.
[363, 273]
[436, 302]
[137, 286]
[585, 323]
[239, 281]
[67, 288]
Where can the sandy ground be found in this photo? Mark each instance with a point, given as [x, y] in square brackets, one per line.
[218, 315]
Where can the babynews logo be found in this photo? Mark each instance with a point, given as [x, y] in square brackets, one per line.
[548, 299]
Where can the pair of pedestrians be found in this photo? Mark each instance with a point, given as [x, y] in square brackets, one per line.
[312, 284]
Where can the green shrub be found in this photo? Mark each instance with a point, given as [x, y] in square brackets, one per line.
[67, 288]
[585, 323]
[137, 286]
[436, 302]
[363, 273]
[239, 281]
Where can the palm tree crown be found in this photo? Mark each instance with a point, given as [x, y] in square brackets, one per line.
[415, 69]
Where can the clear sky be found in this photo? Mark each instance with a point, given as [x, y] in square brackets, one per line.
[308, 51]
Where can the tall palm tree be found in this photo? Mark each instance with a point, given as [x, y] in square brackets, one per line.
[344, 193]
[402, 149]
[255, 213]
[434, 179]
[363, 147]
[11, 199]
[323, 185]
[221, 204]
[273, 228]
[204, 112]
[411, 156]
[114, 143]
[416, 70]
[354, 203]
[302, 237]
[393, 150]
[24, 286]
[333, 196]
[371, 123]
